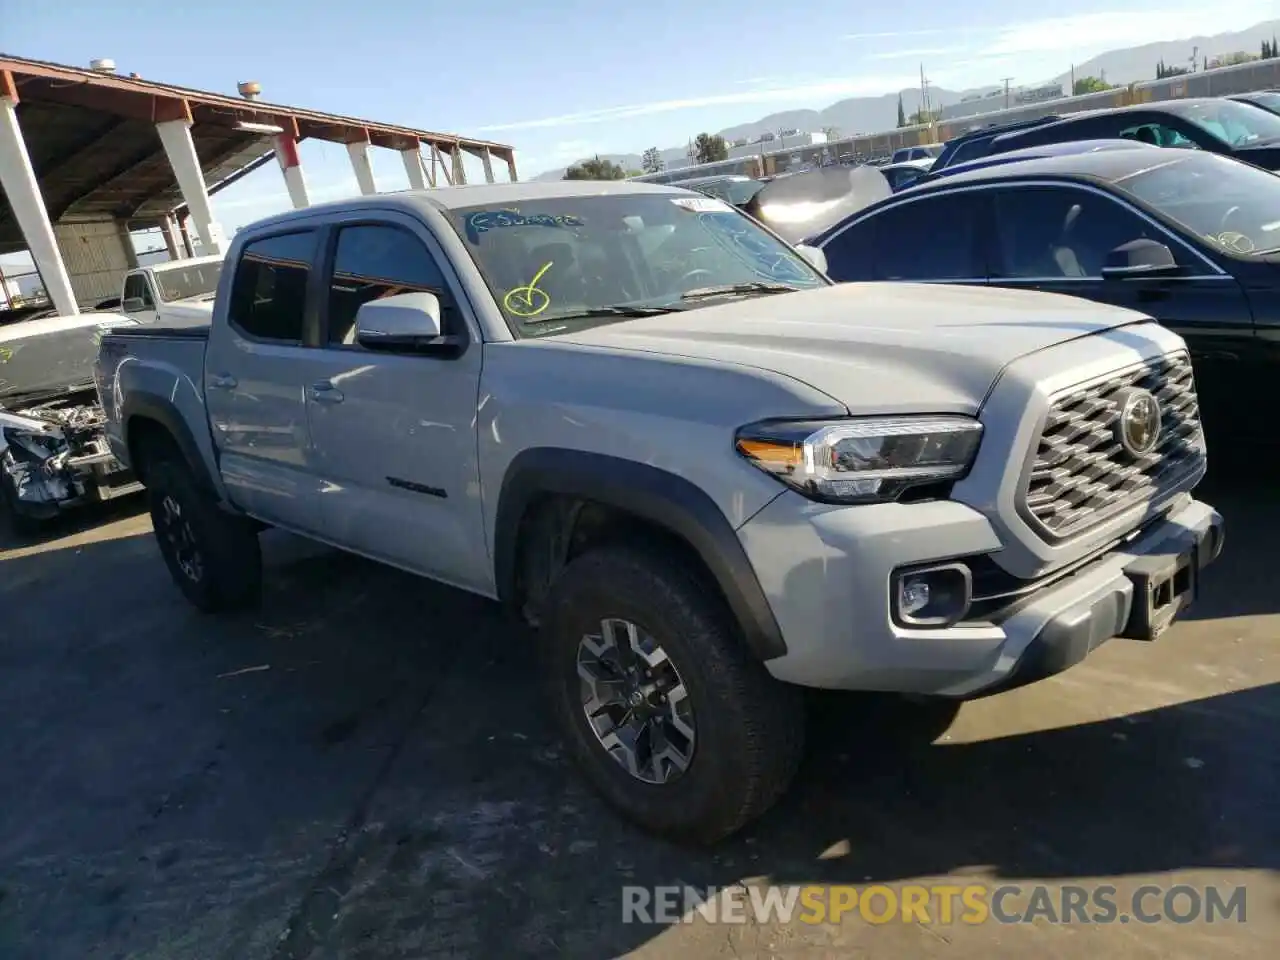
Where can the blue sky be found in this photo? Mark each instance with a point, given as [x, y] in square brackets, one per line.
[561, 78]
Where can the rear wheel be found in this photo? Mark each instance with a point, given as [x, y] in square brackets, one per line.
[213, 557]
[668, 716]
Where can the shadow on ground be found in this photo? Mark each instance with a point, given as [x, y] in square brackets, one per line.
[363, 769]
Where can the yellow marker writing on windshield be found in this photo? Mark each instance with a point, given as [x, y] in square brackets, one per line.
[6, 354]
[529, 300]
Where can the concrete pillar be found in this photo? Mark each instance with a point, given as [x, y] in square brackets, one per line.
[172, 242]
[437, 160]
[459, 170]
[175, 136]
[22, 190]
[359, 154]
[184, 231]
[126, 244]
[511, 166]
[487, 160]
[291, 167]
[414, 169]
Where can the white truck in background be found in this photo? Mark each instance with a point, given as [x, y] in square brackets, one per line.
[176, 293]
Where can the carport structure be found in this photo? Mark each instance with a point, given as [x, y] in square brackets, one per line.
[88, 155]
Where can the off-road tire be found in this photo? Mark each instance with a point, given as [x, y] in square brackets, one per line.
[230, 560]
[749, 727]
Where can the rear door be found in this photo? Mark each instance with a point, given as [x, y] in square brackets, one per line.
[257, 370]
[1056, 237]
[395, 432]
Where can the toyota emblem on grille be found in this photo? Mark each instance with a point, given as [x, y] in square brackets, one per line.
[1138, 428]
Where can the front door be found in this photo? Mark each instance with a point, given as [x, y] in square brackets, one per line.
[1056, 239]
[395, 432]
[257, 370]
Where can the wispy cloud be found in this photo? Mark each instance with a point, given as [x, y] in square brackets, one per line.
[916, 52]
[895, 33]
[844, 87]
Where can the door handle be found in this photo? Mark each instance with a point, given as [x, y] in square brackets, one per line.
[326, 392]
[223, 381]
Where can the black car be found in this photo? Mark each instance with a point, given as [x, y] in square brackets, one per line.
[976, 143]
[1215, 124]
[1190, 238]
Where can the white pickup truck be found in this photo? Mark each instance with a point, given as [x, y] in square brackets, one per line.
[176, 293]
[706, 475]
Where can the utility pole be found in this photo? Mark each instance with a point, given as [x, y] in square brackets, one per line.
[1006, 90]
[1073, 81]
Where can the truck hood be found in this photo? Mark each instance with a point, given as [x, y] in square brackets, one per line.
[875, 347]
[52, 354]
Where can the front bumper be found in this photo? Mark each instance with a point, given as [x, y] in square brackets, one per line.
[827, 572]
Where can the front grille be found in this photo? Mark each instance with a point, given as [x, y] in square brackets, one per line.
[1081, 474]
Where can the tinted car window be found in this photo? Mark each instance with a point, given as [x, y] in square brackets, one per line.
[851, 253]
[931, 238]
[1048, 232]
[269, 292]
[373, 261]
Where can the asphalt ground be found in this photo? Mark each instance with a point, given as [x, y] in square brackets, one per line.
[363, 769]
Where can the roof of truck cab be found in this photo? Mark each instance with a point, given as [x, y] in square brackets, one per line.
[479, 195]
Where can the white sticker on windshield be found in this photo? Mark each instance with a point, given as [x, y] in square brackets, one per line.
[701, 204]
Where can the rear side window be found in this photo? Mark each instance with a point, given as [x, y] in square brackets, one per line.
[269, 293]
[932, 238]
[970, 150]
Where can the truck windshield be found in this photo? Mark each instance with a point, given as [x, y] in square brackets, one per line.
[597, 259]
[1238, 124]
[1234, 206]
[195, 280]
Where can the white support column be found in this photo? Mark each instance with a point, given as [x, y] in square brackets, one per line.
[359, 153]
[22, 190]
[291, 167]
[172, 242]
[487, 160]
[175, 136]
[459, 171]
[414, 169]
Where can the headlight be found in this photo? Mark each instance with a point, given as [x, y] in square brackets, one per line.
[870, 460]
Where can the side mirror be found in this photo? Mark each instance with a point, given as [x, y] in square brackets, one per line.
[133, 305]
[1139, 258]
[404, 321]
[813, 256]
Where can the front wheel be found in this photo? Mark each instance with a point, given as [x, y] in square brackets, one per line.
[214, 558]
[666, 713]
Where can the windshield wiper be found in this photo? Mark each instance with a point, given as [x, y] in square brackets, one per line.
[728, 289]
[604, 312]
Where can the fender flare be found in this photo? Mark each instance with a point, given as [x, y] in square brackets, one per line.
[656, 495]
[150, 406]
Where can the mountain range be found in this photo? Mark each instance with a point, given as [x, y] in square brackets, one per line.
[875, 114]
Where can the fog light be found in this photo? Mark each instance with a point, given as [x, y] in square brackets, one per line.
[932, 597]
[913, 594]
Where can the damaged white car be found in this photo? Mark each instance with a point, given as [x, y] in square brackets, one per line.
[53, 451]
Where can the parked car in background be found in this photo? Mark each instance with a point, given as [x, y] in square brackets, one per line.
[904, 174]
[1034, 153]
[1191, 238]
[176, 293]
[54, 455]
[975, 143]
[735, 189]
[705, 475]
[926, 151]
[1217, 125]
[1266, 99]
